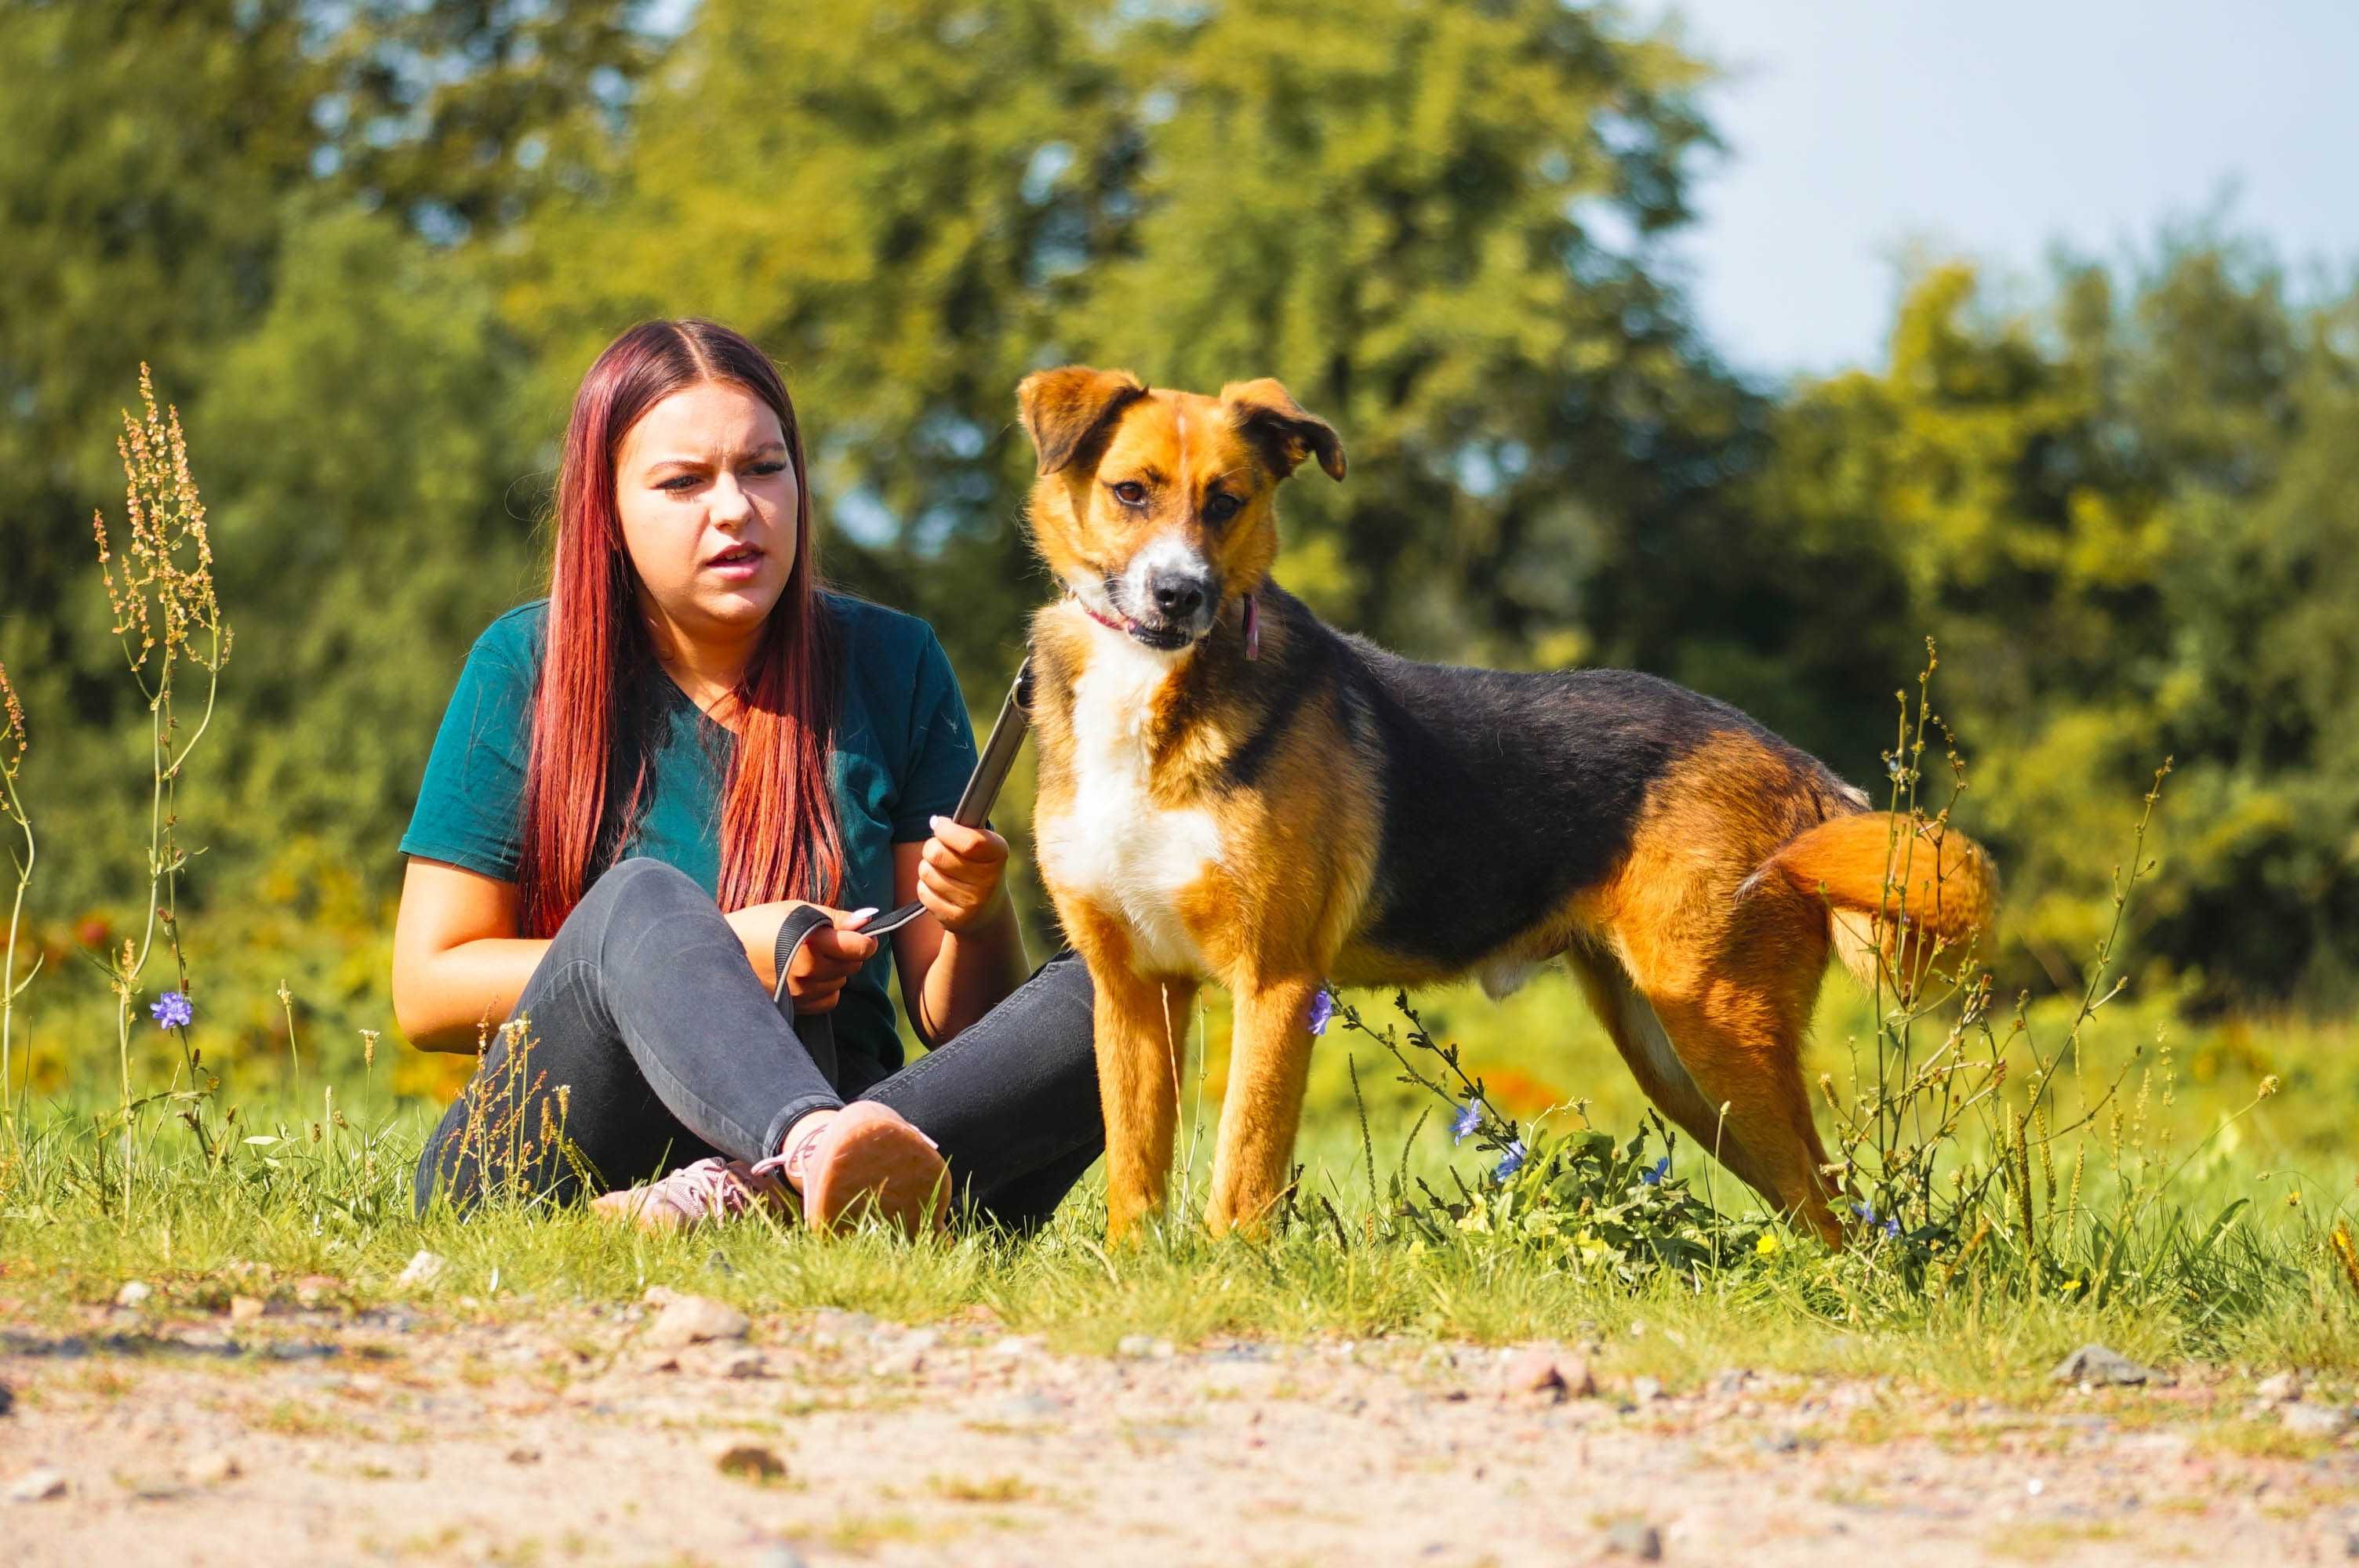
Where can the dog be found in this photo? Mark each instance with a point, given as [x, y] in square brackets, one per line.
[1232, 791]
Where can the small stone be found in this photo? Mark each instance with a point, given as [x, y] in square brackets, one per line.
[780, 1555]
[1016, 1347]
[38, 1485]
[745, 1364]
[313, 1290]
[7, 1400]
[524, 1454]
[750, 1461]
[133, 1293]
[832, 1328]
[1020, 1409]
[425, 1267]
[2283, 1388]
[1634, 1538]
[1134, 1346]
[1534, 1373]
[899, 1364]
[1647, 1391]
[2313, 1417]
[212, 1467]
[691, 1320]
[245, 1309]
[2099, 1364]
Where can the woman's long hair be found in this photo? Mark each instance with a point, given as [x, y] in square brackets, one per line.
[587, 777]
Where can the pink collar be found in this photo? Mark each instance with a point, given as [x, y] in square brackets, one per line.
[1091, 611]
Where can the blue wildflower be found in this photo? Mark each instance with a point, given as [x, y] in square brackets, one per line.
[1889, 1225]
[1468, 1120]
[1511, 1161]
[1322, 1008]
[1654, 1178]
[172, 1010]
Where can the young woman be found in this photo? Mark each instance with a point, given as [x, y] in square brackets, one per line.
[641, 779]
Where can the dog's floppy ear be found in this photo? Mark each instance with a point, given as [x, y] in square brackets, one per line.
[1265, 413]
[1065, 407]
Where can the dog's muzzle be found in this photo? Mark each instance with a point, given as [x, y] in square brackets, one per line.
[1167, 598]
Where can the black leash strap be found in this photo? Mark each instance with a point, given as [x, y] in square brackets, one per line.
[983, 785]
[815, 1030]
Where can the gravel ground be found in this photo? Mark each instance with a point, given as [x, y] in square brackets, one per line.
[678, 1433]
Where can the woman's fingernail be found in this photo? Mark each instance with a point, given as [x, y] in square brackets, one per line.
[860, 915]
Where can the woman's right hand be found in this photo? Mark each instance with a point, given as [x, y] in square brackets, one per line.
[822, 965]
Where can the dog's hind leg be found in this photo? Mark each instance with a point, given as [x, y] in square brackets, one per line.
[1744, 1048]
[1734, 996]
[1645, 1047]
[1269, 1061]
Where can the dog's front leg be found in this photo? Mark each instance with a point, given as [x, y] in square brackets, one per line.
[1269, 1060]
[1142, 1035]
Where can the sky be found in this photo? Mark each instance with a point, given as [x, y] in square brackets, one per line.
[1994, 129]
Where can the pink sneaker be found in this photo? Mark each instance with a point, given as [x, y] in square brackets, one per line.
[867, 1159]
[711, 1188]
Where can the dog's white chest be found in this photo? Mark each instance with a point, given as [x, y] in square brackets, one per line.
[1113, 844]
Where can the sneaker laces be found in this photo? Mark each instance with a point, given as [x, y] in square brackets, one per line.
[788, 1163]
[707, 1189]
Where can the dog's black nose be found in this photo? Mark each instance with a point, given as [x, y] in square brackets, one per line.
[1178, 595]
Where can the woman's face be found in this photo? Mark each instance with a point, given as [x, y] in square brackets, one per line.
[707, 498]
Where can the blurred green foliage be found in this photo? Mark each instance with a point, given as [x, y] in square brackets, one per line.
[369, 246]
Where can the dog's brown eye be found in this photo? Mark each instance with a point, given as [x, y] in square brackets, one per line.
[1130, 492]
[1220, 508]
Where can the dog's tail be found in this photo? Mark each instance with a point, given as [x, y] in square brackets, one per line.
[1899, 893]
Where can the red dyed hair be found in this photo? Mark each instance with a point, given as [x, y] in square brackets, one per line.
[583, 785]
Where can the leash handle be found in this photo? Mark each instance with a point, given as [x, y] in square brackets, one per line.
[817, 1031]
[983, 785]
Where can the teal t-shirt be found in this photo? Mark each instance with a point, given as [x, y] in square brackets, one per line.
[903, 748]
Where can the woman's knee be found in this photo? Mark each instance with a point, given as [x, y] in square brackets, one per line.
[643, 881]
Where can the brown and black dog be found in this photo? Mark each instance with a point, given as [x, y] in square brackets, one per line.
[1229, 790]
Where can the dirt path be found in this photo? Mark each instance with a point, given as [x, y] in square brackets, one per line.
[310, 1437]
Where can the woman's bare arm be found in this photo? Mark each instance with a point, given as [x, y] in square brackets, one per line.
[950, 979]
[458, 964]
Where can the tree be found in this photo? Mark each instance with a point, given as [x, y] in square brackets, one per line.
[1402, 207]
[461, 116]
[2129, 522]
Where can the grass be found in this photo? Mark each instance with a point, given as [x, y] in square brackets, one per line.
[262, 1216]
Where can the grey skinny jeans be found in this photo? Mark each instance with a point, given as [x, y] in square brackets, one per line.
[652, 1043]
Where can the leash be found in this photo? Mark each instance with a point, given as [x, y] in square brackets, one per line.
[974, 807]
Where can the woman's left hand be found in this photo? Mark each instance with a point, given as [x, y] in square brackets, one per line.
[961, 873]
